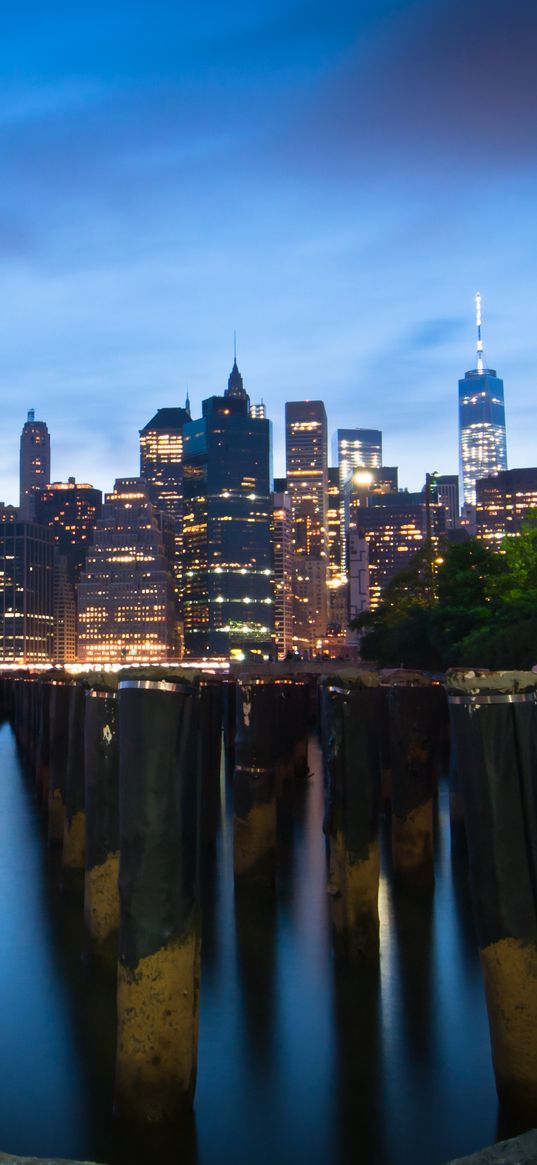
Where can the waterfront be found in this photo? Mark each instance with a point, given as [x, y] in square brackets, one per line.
[299, 1059]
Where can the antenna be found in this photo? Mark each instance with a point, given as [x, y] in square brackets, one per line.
[235, 346]
[480, 364]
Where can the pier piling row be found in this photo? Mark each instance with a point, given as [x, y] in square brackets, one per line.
[415, 718]
[254, 782]
[159, 938]
[60, 694]
[494, 723]
[74, 834]
[101, 776]
[351, 721]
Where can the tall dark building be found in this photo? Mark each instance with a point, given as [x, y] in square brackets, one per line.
[227, 550]
[71, 510]
[34, 463]
[482, 439]
[26, 590]
[306, 448]
[161, 466]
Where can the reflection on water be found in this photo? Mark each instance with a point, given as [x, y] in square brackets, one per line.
[301, 1057]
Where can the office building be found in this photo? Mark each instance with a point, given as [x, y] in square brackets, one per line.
[281, 536]
[396, 526]
[307, 483]
[447, 488]
[504, 502]
[26, 590]
[359, 601]
[70, 510]
[34, 463]
[482, 439]
[161, 466]
[126, 610]
[355, 449]
[337, 589]
[227, 551]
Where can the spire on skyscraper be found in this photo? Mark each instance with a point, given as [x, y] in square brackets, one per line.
[480, 362]
[235, 386]
[187, 403]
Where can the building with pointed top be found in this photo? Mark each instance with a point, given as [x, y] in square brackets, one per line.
[228, 596]
[235, 385]
[482, 437]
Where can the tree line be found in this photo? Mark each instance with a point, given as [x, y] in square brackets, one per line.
[461, 604]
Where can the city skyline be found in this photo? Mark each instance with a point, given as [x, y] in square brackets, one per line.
[309, 178]
[279, 455]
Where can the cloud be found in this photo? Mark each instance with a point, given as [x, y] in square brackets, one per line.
[447, 80]
[436, 333]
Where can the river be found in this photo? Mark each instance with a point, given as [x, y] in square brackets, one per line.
[300, 1059]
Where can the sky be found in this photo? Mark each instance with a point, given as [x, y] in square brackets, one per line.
[334, 181]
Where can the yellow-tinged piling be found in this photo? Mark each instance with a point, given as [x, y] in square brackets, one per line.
[101, 770]
[159, 941]
[352, 760]
[494, 724]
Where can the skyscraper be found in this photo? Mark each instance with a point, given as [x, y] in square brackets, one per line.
[358, 449]
[161, 466]
[306, 448]
[34, 463]
[281, 532]
[125, 595]
[227, 552]
[337, 596]
[70, 509]
[504, 502]
[482, 439]
[355, 449]
[26, 590]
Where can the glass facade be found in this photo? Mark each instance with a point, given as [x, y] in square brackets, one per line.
[228, 595]
[355, 449]
[482, 438]
[161, 466]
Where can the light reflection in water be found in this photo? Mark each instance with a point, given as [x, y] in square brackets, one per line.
[300, 1058]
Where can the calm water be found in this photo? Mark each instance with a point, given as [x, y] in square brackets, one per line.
[299, 1059]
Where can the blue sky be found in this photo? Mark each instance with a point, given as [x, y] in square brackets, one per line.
[334, 181]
